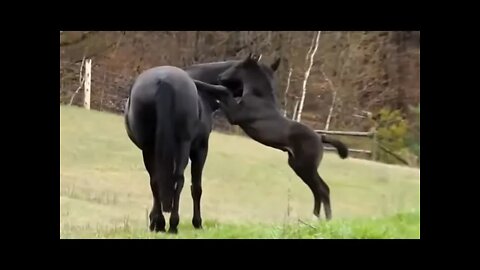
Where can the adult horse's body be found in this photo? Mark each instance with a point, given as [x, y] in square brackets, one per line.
[162, 119]
[259, 117]
[171, 121]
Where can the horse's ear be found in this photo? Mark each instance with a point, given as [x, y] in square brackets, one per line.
[274, 66]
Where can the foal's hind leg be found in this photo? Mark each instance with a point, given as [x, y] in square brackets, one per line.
[306, 171]
[181, 161]
[325, 190]
[157, 220]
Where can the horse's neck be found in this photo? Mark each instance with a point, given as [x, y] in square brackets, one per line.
[208, 72]
[213, 64]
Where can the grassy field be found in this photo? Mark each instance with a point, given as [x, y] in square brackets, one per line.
[105, 193]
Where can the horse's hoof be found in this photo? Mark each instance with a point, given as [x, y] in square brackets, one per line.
[154, 227]
[197, 223]
[159, 230]
[173, 230]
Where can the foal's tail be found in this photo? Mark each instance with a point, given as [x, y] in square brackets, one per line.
[165, 143]
[341, 147]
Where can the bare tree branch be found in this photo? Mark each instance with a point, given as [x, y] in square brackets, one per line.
[295, 110]
[310, 225]
[310, 49]
[80, 39]
[81, 79]
[307, 74]
[247, 45]
[327, 124]
[286, 93]
[382, 147]
[118, 43]
[94, 54]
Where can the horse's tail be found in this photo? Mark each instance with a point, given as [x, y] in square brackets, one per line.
[125, 113]
[341, 147]
[127, 123]
[165, 143]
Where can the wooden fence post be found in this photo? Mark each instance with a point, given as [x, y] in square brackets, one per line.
[87, 84]
[374, 145]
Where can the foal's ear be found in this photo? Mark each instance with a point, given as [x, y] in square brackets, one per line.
[255, 57]
[249, 56]
[274, 66]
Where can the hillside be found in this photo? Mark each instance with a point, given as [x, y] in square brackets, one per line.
[104, 191]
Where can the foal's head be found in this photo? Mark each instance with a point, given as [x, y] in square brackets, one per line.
[256, 78]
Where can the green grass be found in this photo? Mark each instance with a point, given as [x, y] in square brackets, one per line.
[403, 226]
[104, 189]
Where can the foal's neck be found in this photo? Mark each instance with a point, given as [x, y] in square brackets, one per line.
[260, 86]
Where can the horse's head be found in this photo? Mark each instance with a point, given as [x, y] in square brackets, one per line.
[251, 73]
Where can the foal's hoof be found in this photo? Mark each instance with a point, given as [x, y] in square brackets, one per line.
[173, 230]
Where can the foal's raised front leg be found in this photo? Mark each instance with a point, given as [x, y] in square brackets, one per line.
[234, 111]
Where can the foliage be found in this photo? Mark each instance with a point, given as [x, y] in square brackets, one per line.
[413, 140]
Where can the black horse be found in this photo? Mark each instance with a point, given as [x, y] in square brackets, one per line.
[258, 116]
[171, 121]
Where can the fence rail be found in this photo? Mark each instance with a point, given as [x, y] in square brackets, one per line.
[350, 150]
[371, 135]
[346, 133]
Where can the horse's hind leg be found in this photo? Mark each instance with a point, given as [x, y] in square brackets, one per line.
[181, 161]
[198, 157]
[157, 220]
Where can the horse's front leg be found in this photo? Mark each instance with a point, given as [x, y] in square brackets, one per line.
[198, 158]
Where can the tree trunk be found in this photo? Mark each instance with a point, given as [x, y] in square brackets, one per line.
[307, 74]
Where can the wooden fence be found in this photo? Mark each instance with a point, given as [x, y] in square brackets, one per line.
[372, 135]
[86, 80]
[375, 145]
